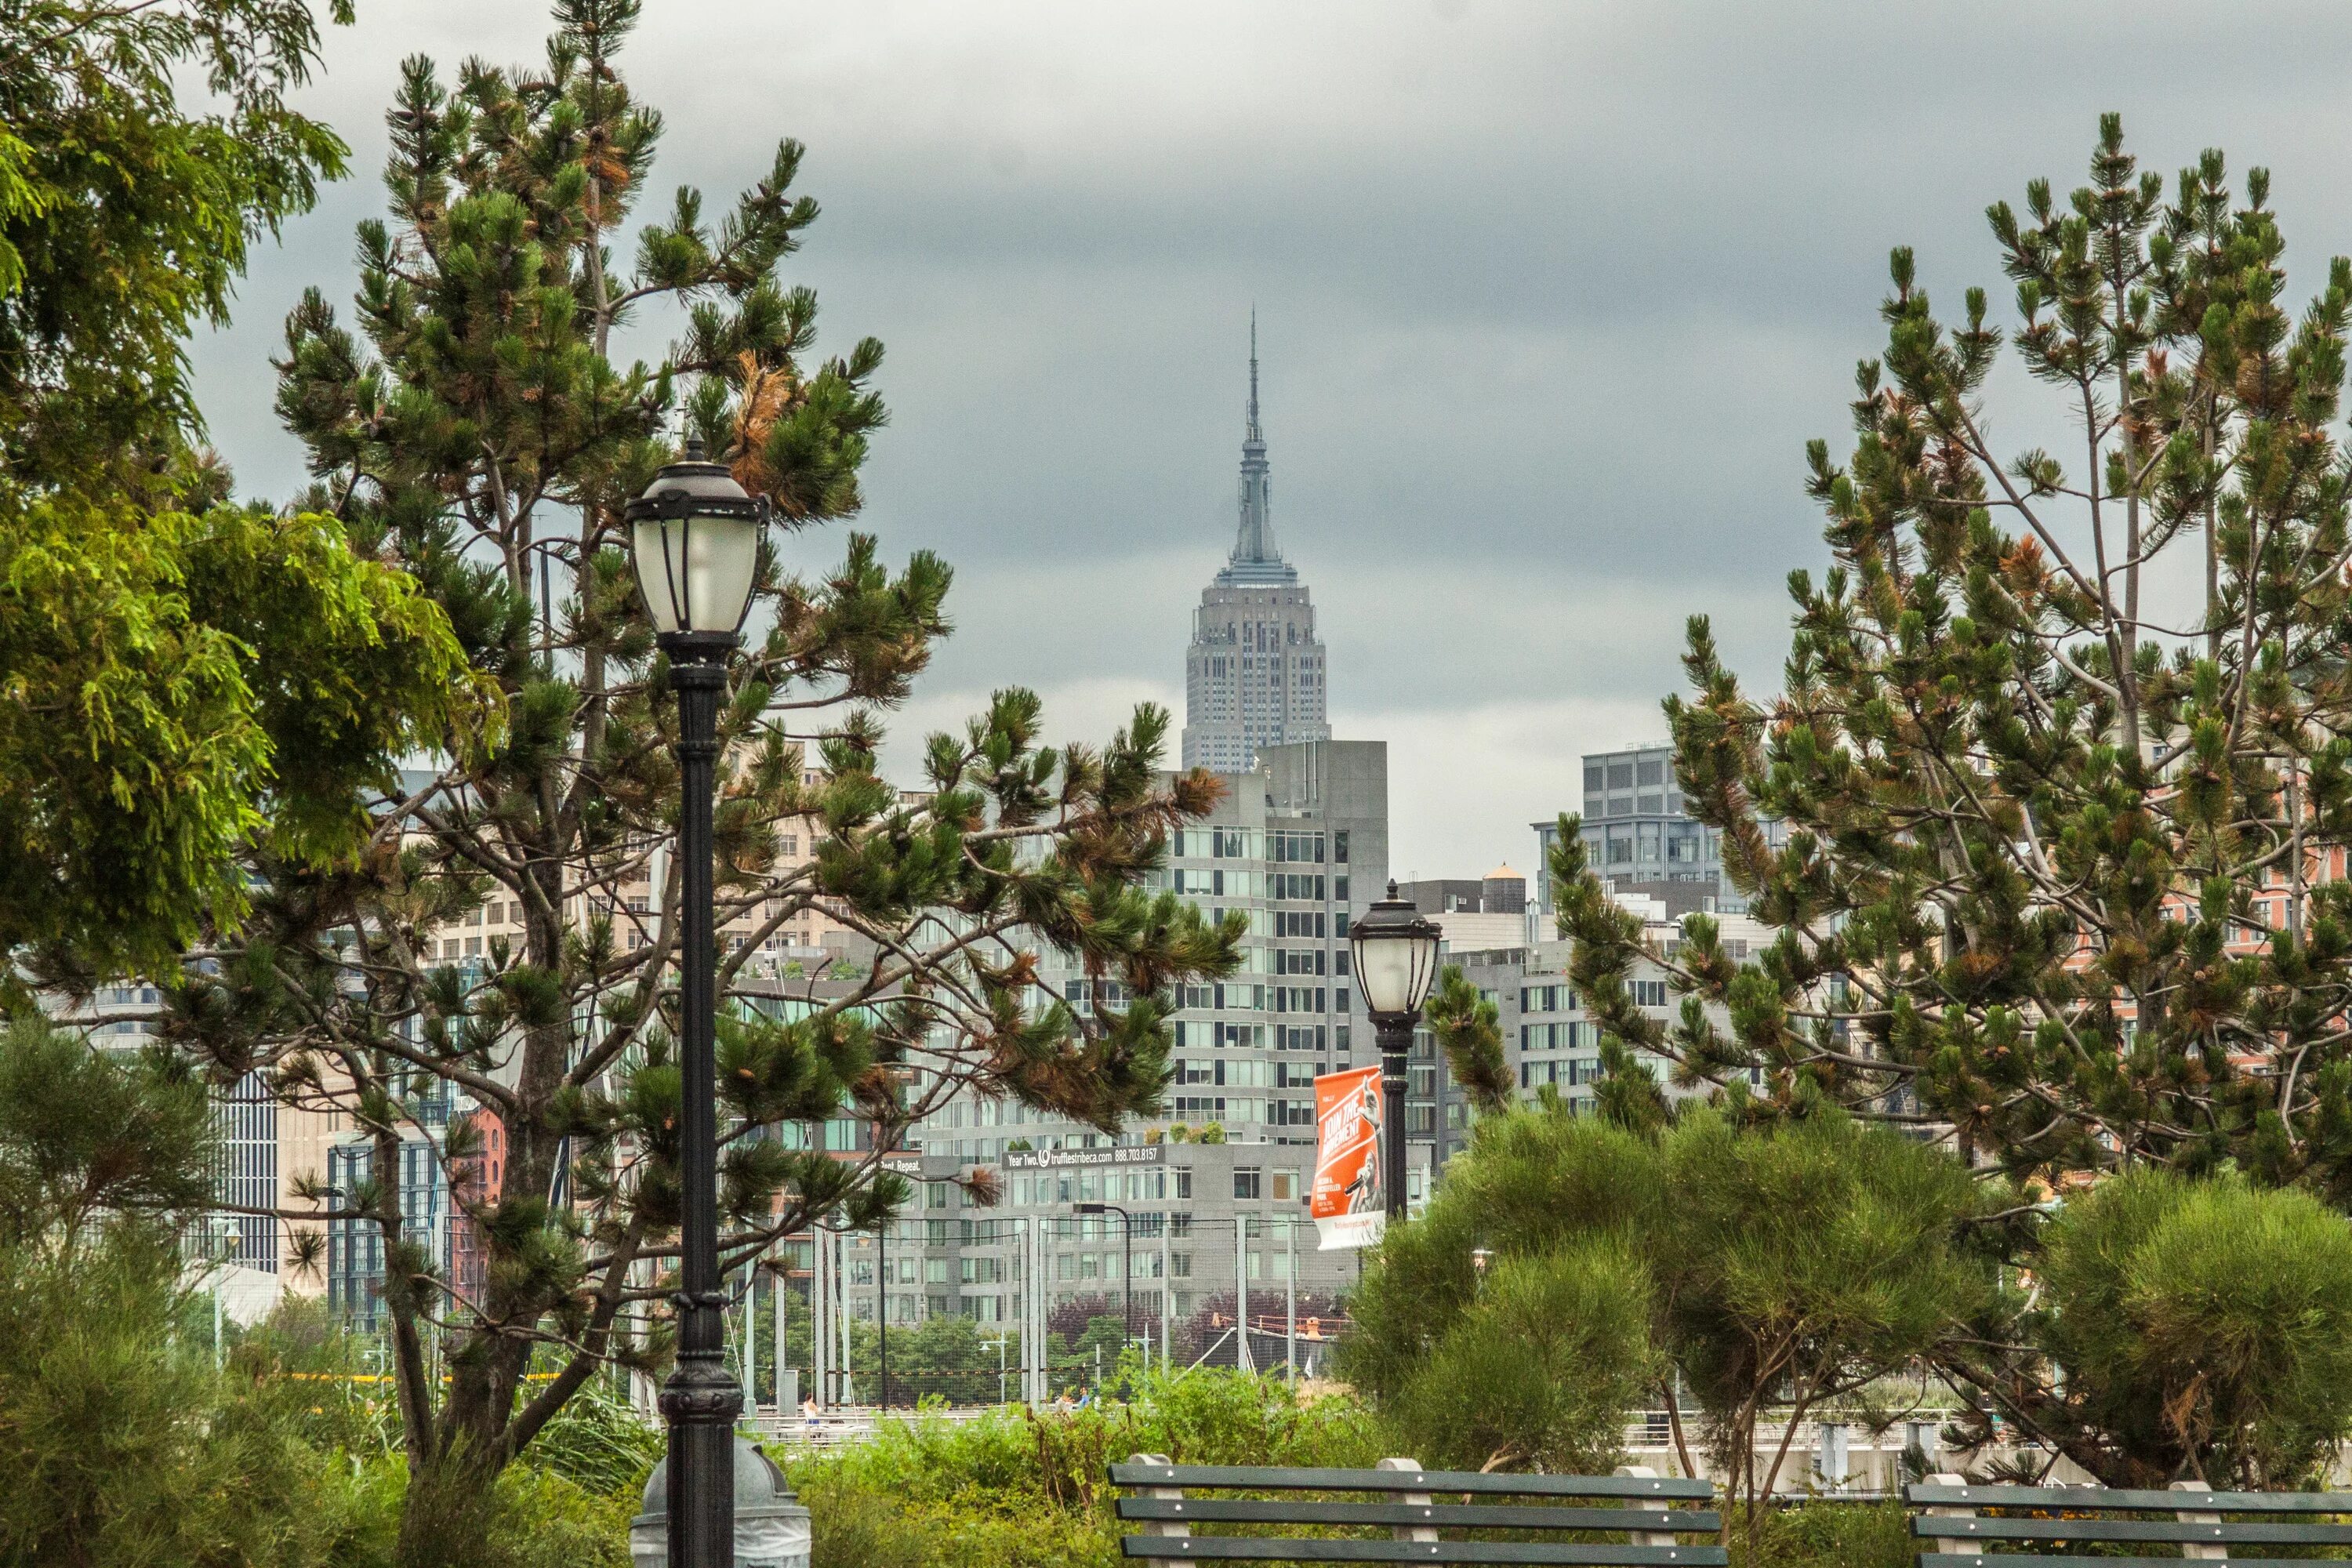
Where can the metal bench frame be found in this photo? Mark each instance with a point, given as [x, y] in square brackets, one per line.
[1165, 1505]
[1943, 1502]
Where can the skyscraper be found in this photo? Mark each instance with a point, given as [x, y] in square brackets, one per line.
[1254, 675]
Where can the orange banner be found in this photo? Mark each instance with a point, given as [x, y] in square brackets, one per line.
[1348, 1201]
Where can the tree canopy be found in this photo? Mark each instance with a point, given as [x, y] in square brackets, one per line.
[2064, 864]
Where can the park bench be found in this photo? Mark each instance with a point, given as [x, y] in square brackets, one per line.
[1635, 1504]
[2187, 1516]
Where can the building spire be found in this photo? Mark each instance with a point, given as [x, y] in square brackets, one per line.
[1253, 433]
[1255, 541]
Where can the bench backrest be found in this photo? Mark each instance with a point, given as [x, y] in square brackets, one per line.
[2187, 1517]
[1634, 1502]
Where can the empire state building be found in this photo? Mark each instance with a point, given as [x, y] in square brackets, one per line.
[1254, 675]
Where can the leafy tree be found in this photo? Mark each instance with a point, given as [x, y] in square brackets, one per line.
[184, 678]
[2064, 868]
[125, 219]
[2184, 1327]
[475, 432]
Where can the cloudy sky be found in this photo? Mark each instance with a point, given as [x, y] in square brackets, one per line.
[1550, 295]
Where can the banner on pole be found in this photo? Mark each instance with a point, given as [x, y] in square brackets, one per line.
[1349, 1201]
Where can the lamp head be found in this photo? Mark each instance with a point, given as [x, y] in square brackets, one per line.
[1396, 957]
[694, 539]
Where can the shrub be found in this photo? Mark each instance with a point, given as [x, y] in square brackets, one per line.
[2202, 1326]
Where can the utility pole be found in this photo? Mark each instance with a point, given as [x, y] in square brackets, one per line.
[1241, 1293]
[1290, 1306]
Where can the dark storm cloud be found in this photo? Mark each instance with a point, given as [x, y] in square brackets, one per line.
[1551, 297]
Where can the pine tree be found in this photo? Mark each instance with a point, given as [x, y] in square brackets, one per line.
[2065, 867]
[476, 430]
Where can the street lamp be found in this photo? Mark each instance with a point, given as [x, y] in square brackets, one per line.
[694, 536]
[1396, 959]
[1127, 1244]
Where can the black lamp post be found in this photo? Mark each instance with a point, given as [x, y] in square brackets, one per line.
[1396, 959]
[1127, 1246]
[695, 537]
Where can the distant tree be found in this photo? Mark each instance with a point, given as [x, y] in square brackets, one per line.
[2062, 867]
[475, 431]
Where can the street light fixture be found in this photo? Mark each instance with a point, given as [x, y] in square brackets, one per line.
[693, 537]
[1396, 959]
[1126, 1285]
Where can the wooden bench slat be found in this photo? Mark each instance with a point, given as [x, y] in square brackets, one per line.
[1246, 1478]
[2034, 1560]
[2174, 1530]
[1457, 1516]
[1233, 1548]
[1921, 1494]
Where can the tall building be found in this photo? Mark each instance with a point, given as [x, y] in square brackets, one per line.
[1255, 676]
[1639, 839]
[1299, 845]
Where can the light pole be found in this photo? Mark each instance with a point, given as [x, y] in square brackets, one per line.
[1127, 1247]
[1396, 959]
[693, 537]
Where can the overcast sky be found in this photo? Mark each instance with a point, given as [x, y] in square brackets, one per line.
[1550, 297]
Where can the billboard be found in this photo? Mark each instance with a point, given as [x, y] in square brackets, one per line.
[1349, 1199]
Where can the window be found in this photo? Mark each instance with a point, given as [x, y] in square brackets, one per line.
[934, 1194]
[1621, 775]
[1649, 993]
[1654, 771]
[1247, 1182]
[1184, 1190]
[1340, 846]
[1179, 1266]
[935, 1270]
[1285, 1186]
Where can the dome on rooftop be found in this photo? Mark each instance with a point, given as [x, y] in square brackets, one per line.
[1503, 873]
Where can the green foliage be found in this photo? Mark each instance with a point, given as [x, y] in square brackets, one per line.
[2050, 867]
[1542, 1367]
[1779, 1264]
[125, 219]
[2201, 1328]
[467, 427]
[119, 1441]
[185, 689]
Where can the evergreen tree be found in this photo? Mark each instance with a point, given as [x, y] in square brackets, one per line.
[2064, 865]
[476, 431]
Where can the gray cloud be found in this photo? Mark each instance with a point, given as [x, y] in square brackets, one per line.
[1552, 296]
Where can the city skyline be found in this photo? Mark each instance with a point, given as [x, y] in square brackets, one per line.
[1550, 297]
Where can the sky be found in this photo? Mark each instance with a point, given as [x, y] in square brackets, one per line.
[1550, 297]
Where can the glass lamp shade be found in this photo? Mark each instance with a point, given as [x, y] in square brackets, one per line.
[1396, 956]
[694, 536]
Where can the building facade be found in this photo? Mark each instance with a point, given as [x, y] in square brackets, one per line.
[1299, 845]
[1256, 674]
[1640, 840]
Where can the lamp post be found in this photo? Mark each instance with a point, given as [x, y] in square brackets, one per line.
[1396, 959]
[1126, 1285]
[694, 536]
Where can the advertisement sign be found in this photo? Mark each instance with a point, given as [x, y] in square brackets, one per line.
[1349, 1202]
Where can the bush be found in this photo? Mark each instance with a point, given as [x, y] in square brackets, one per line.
[2203, 1327]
